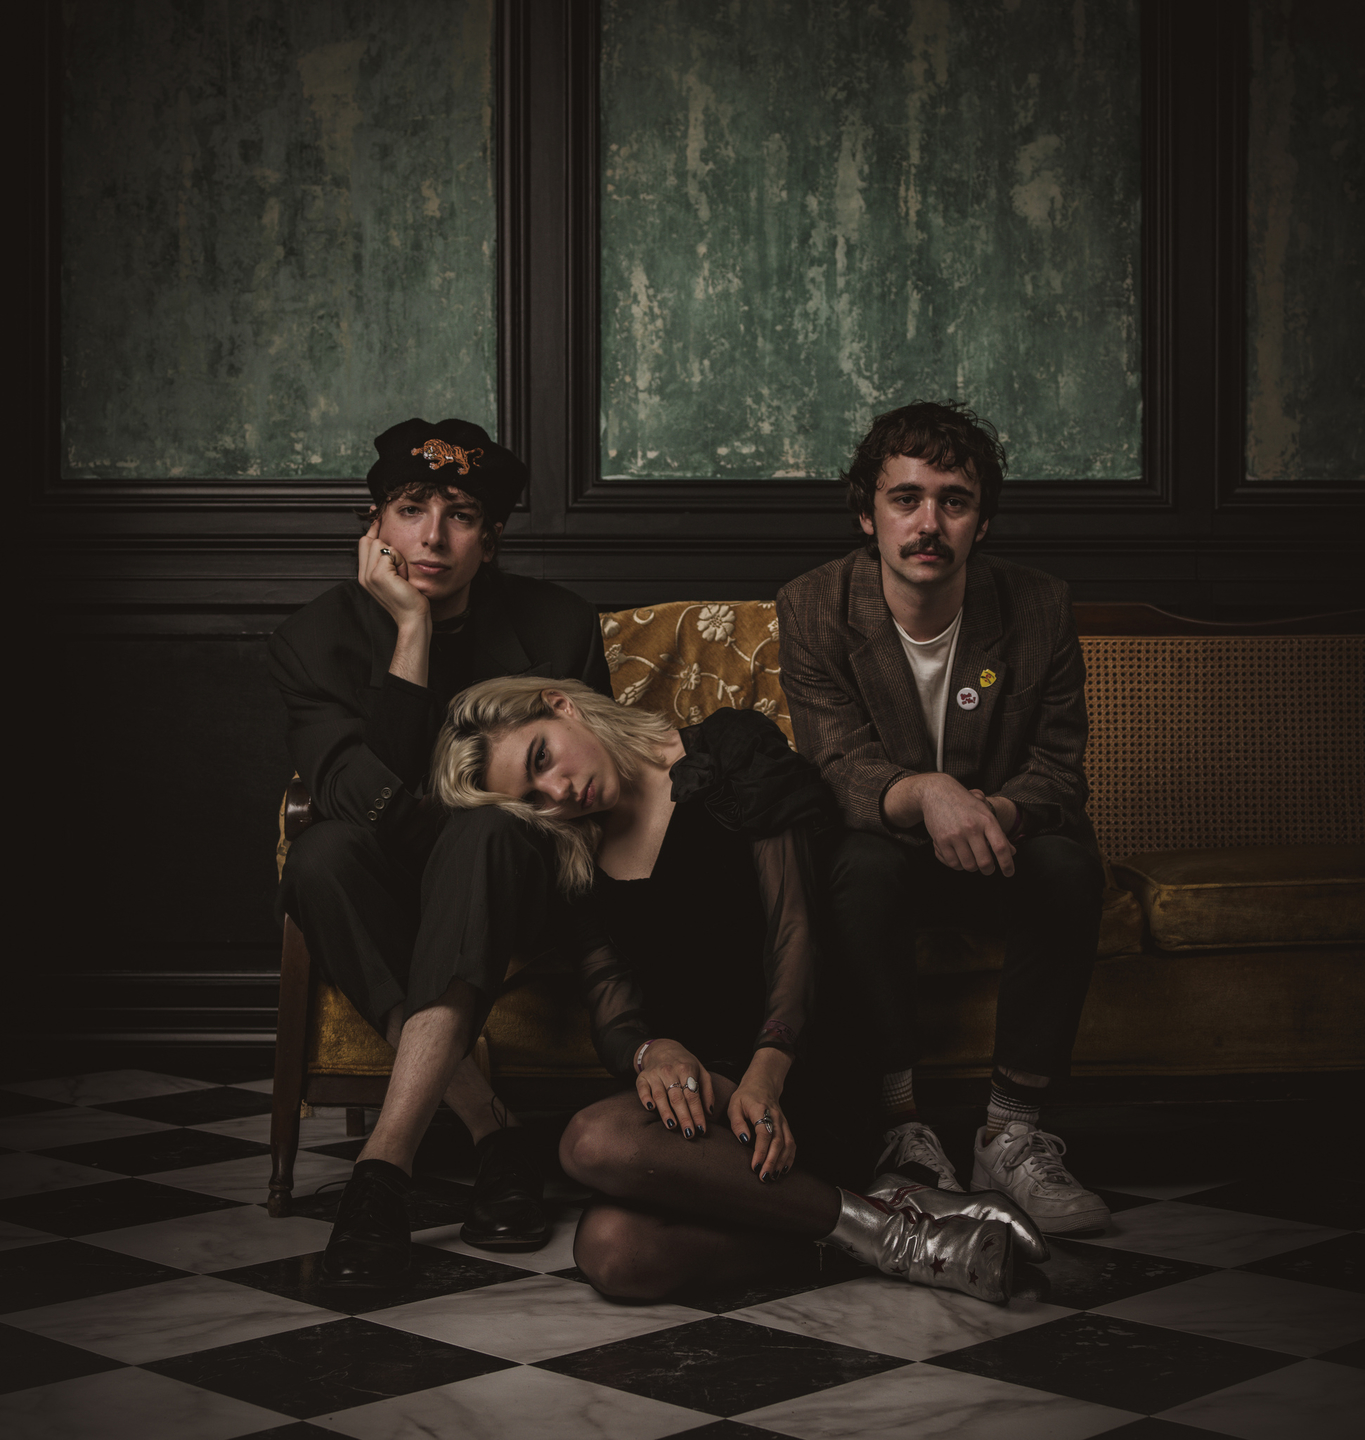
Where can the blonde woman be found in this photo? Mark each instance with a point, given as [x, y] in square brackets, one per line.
[685, 857]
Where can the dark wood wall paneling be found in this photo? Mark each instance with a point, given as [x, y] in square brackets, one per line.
[154, 861]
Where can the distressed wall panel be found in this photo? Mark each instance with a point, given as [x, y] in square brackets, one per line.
[815, 209]
[278, 227]
[1305, 257]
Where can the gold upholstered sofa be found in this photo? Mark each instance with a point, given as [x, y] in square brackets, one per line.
[1226, 771]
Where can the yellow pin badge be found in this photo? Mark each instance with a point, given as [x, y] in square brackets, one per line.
[987, 679]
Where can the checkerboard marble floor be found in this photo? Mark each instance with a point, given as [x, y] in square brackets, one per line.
[146, 1294]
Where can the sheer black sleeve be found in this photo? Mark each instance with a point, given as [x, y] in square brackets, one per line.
[785, 873]
[614, 1003]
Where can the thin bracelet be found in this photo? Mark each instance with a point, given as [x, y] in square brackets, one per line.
[640, 1055]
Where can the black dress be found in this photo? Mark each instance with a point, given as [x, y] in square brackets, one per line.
[717, 947]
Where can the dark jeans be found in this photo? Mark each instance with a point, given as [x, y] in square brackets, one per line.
[1048, 912]
[387, 936]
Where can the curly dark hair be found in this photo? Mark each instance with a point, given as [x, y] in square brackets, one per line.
[946, 435]
[424, 491]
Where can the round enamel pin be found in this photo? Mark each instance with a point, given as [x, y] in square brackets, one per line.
[968, 699]
[987, 679]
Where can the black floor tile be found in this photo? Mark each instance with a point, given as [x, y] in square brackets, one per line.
[158, 1150]
[1114, 1362]
[1119, 1200]
[726, 1430]
[1150, 1428]
[12, 1103]
[113, 1205]
[194, 1107]
[431, 1202]
[333, 1366]
[721, 1366]
[1084, 1277]
[433, 1272]
[820, 1268]
[1338, 1203]
[68, 1270]
[1352, 1354]
[1339, 1263]
[341, 1149]
[27, 1360]
[299, 1430]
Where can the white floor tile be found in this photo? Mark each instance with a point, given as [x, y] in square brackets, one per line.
[53, 1128]
[128, 1405]
[518, 1404]
[925, 1401]
[878, 1313]
[556, 1255]
[532, 1319]
[1261, 1310]
[248, 1179]
[107, 1087]
[176, 1317]
[1313, 1400]
[326, 1127]
[1206, 1235]
[25, 1174]
[14, 1237]
[220, 1240]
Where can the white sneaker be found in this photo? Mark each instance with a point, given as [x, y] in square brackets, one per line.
[1025, 1163]
[916, 1144]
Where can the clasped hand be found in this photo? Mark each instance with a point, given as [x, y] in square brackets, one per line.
[965, 829]
[386, 578]
[754, 1107]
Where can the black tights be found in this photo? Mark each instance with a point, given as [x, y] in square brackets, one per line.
[671, 1212]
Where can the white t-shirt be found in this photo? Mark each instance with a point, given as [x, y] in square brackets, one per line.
[931, 662]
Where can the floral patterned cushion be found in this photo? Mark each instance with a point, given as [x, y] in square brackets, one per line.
[689, 658]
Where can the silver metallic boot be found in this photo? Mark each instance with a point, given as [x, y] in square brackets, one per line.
[952, 1252]
[902, 1193]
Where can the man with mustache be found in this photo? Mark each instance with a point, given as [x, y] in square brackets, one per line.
[387, 888]
[942, 694]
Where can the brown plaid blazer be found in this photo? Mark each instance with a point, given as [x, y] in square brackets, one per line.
[856, 713]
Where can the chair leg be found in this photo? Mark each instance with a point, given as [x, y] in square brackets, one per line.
[355, 1121]
[291, 1035]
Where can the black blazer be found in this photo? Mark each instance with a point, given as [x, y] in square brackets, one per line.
[330, 660]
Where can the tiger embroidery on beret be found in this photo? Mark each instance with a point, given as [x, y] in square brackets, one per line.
[438, 453]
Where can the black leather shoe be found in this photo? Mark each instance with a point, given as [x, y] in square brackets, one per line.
[370, 1241]
[506, 1211]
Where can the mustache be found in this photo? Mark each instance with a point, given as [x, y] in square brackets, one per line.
[932, 545]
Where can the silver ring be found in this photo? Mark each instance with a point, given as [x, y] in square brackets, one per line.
[690, 1084]
[673, 1085]
[386, 552]
[766, 1120]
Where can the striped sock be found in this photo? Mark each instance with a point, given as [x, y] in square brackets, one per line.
[898, 1098]
[1011, 1101]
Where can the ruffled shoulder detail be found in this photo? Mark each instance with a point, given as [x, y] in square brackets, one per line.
[740, 765]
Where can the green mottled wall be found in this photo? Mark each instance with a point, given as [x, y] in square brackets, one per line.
[816, 209]
[1306, 242]
[278, 227]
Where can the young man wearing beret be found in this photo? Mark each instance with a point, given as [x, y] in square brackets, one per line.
[396, 898]
[942, 694]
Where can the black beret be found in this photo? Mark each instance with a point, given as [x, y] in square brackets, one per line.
[454, 454]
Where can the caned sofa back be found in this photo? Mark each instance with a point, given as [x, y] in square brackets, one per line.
[1196, 742]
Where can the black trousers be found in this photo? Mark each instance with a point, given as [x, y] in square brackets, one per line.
[1048, 912]
[386, 934]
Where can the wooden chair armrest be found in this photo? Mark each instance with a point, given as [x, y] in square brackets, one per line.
[298, 809]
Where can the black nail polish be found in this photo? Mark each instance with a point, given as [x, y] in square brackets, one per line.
[672, 1124]
[743, 1139]
[688, 1132]
[649, 1104]
[765, 1177]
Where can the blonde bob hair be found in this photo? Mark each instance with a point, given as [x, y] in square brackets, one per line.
[479, 715]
